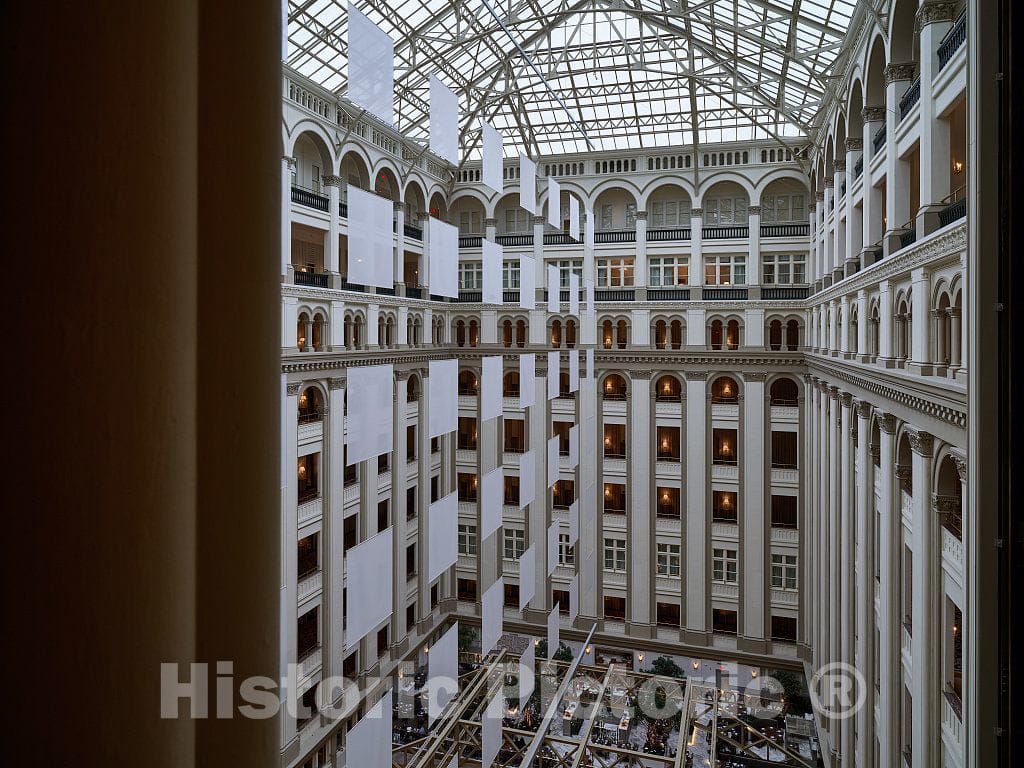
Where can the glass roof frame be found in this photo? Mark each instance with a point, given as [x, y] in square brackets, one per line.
[631, 73]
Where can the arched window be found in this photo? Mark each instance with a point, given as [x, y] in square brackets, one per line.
[622, 334]
[606, 334]
[318, 333]
[677, 334]
[506, 334]
[716, 334]
[460, 333]
[614, 388]
[311, 407]
[792, 335]
[468, 383]
[412, 389]
[474, 333]
[668, 390]
[563, 385]
[570, 333]
[521, 333]
[784, 391]
[556, 333]
[510, 384]
[303, 333]
[732, 334]
[357, 332]
[725, 390]
[775, 335]
[660, 335]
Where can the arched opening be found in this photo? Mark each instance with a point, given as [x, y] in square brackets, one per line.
[563, 386]
[784, 392]
[467, 213]
[312, 163]
[792, 334]
[469, 384]
[732, 334]
[725, 390]
[570, 333]
[386, 185]
[668, 211]
[510, 384]
[460, 333]
[304, 333]
[775, 335]
[520, 333]
[438, 207]
[614, 387]
[614, 211]
[676, 338]
[667, 389]
[556, 333]
[412, 389]
[506, 334]
[607, 334]
[311, 406]
[621, 334]
[725, 207]
[715, 331]
[660, 334]
[474, 333]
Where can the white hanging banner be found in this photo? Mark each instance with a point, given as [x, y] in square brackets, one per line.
[588, 234]
[528, 184]
[574, 370]
[553, 621]
[589, 435]
[527, 379]
[590, 364]
[553, 547]
[554, 203]
[492, 268]
[443, 672]
[527, 673]
[442, 397]
[370, 411]
[552, 473]
[527, 574]
[370, 570]
[490, 387]
[371, 66]
[554, 289]
[574, 294]
[574, 218]
[574, 598]
[554, 369]
[574, 446]
[491, 607]
[493, 157]
[591, 307]
[444, 121]
[491, 730]
[444, 258]
[371, 239]
[492, 495]
[527, 478]
[442, 535]
[574, 522]
[369, 741]
[527, 282]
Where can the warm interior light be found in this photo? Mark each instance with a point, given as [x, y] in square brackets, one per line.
[696, 664]
[639, 657]
[753, 673]
[302, 471]
[958, 166]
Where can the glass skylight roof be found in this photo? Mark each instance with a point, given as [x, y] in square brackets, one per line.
[633, 73]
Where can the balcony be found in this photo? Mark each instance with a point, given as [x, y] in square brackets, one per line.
[668, 294]
[558, 238]
[510, 297]
[309, 584]
[785, 230]
[878, 140]
[951, 43]
[953, 211]
[414, 292]
[310, 199]
[724, 294]
[347, 286]
[615, 236]
[784, 292]
[470, 241]
[725, 233]
[522, 239]
[471, 296]
[313, 279]
[414, 232]
[614, 294]
[668, 234]
[952, 715]
[310, 510]
[858, 167]
[910, 98]
[908, 236]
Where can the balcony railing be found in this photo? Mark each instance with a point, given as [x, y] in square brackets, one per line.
[615, 236]
[668, 233]
[471, 296]
[557, 238]
[343, 209]
[614, 294]
[310, 199]
[725, 294]
[347, 286]
[414, 232]
[954, 210]
[472, 241]
[668, 294]
[414, 291]
[908, 235]
[313, 279]
[784, 292]
[785, 230]
[510, 297]
[725, 233]
[878, 140]
[910, 98]
[385, 291]
[951, 43]
[858, 167]
[525, 239]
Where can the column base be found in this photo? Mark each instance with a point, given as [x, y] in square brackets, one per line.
[696, 292]
[870, 256]
[640, 630]
[923, 369]
[886, 362]
[817, 286]
[752, 644]
[754, 293]
[334, 280]
[891, 242]
[927, 220]
[826, 281]
[851, 266]
[695, 637]
[837, 274]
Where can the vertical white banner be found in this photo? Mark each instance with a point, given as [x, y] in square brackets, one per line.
[574, 218]
[444, 121]
[528, 184]
[371, 66]
[442, 397]
[491, 730]
[492, 268]
[369, 741]
[552, 470]
[493, 157]
[490, 387]
[492, 496]
[588, 234]
[527, 474]
[370, 574]
[553, 621]
[591, 307]
[527, 574]
[527, 673]
[553, 530]
[574, 370]
[527, 282]
[574, 294]
[371, 239]
[527, 379]
[443, 672]
[574, 446]
[574, 598]
[491, 609]
[444, 258]
[442, 535]
[554, 203]
[370, 411]
[554, 369]
[554, 289]
[590, 364]
[574, 522]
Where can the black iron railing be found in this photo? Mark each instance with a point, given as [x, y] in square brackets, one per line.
[343, 209]
[785, 230]
[470, 241]
[725, 233]
[951, 43]
[908, 236]
[778, 292]
[614, 294]
[471, 296]
[724, 294]
[668, 233]
[310, 199]
[557, 238]
[413, 292]
[347, 286]
[911, 97]
[313, 279]
[878, 140]
[668, 294]
[510, 297]
[615, 236]
[414, 232]
[514, 239]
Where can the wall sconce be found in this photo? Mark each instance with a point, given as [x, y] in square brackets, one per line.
[664, 444]
[426, 649]
[696, 664]
[588, 651]
[302, 471]
[303, 400]
[958, 167]
[753, 673]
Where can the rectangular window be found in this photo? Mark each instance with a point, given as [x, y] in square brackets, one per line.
[467, 539]
[510, 275]
[784, 450]
[783, 209]
[630, 215]
[725, 211]
[784, 511]
[606, 217]
[784, 572]
[515, 543]
[565, 267]
[724, 566]
[469, 223]
[668, 560]
[566, 551]
[725, 270]
[517, 221]
[784, 628]
[615, 555]
[615, 273]
[669, 271]
[471, 276]
[784, 268]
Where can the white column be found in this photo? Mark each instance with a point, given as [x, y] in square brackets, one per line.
[754, 455]
[839, 243]
[697, 247]
[920, 358]
[331, 259]
[400, 243]
[827, 230]
[925, 644]
[641, 538]
[821, 514]
[863, 323]
[843, 321]
[897, 187]
[333, 542]
[423, 222]
[289, 542]
[865, 587]
[491, 229]
[754, 251]
[934, 21]
[890, 626]
[874, 207]
[886, 354]
[854, 214]
[287, 166]
[845, 606]
[697, 528]
[640, 262]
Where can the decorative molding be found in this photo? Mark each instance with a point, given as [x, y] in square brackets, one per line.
[872, 114]
[754, 210]
[640, 375]
[921, 443]
[875, 450]
[830, 182]
[839, 166]
[336, 383]
[641, 215]
[896, 73]
[887, 423]
[854, 144]
[946, 504]
[819, 196]
[535, 220]
[293, 389]
[754, 376]
[696, 375]
[330, 180]
[847, 399]
[903, 472]
[960, 460]
[863, 409]
[934, 11]
[696, 212]
[490, 222]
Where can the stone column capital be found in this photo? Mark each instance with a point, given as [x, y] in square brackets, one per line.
[887, 423]
[829, 183]
[755, 376]
[535, 220]
[330, 180]
[960, 460]
[696, 375]
[754, 210]
[840, 166]
[336, 383]
[873, 114]
[863, 409]
[854, 144]
[696, 212]
[921, 443]
[933, 11]
[293, 389]
[895, 73]
[641, 215]
[492, 222]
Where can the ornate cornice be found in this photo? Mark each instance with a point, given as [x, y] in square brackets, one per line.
[887, 423]
[640, 375]
[946, 504]
[872, 114]
[895, 73]
[921, 443]
[755, 376]
[696, 375]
